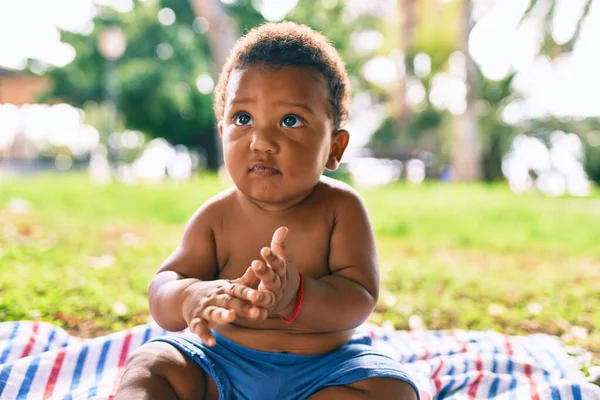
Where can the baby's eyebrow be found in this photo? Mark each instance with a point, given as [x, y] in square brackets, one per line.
[300, 105]
[251, 100]
[242, 100]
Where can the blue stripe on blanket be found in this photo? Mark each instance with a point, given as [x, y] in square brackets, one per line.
[147, 334]
[11, 339]
[576, 392]
[512, 387]
[100, 368]
[4, 377]
[29, 375]
[32, 369]
[6, 369]
[78, 370]
[554, 393]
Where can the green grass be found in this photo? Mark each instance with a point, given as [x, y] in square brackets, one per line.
[457, 256]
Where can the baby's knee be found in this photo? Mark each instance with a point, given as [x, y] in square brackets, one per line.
[155, 358]
[161, 366]
[145, 375]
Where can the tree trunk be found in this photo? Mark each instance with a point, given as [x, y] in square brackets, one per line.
[466, 159]
[408, 18]
[222, 34]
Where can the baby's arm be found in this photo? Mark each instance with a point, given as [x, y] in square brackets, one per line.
[193, 260]
[185, 291]
[345, 298]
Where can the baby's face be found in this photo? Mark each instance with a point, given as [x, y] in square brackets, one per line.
[277, 133]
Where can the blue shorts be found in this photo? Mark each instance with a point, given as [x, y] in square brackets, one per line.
[243, 373]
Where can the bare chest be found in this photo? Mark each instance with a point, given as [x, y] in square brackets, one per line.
[240, 240]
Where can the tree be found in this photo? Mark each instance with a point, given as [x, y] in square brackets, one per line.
[408, 18]
[221, 39]
[158, 72]
[469, 161]
[549, 45]
[222, 32]
[156, 76]
[465, 140]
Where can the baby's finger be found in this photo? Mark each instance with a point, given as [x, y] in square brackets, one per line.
[249, 278]
[206, 335]
[278, 244]
[260, 315]
[274, 261]
[218, 315]
[200, 327]
[195, 325]
[263, 298]
[258, 298]
[267, 276]
[242, 308]
[238, 290]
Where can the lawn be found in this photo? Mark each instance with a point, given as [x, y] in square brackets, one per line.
[451, 256]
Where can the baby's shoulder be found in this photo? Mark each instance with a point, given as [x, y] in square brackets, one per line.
[211, 211]
[337, 193]
[347, 207]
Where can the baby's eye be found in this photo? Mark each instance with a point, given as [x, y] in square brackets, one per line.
[291, 121]
[242, 119]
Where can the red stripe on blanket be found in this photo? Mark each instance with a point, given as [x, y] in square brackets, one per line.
[416, 339]
[473, 389]
[371, 335]
[424, 395]
[31, 342]
[60, 356]
[125, 349]
[509, 348]
[122, 362]
[436, 380]
[463, 345]
[533, 386]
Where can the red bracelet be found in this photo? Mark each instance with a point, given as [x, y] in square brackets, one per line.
[298, 303]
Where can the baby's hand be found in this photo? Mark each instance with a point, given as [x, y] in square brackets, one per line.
[283, 284]
[236, 298]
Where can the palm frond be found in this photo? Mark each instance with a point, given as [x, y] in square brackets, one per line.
[549, 46]
[569, 45]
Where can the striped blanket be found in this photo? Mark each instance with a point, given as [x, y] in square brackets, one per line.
[41, 361]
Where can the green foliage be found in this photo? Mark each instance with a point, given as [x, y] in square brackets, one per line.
[587, 129]
[495, 136]
[81, 80]
[542, 128]
[438, 31]
[422, 124]
[386, 135]
[157, 96]
[592, 161]
[245, 15]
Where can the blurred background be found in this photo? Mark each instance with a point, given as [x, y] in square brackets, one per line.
[475, 140]
[451, 90]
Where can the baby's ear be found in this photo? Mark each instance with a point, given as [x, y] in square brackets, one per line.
[339, 141]
[220, 128]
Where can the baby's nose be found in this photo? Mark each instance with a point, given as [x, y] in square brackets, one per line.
[264, 140]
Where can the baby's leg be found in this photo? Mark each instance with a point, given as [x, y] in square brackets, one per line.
[373, 388]
[159, 371]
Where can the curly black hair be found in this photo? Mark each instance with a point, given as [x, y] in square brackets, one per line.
[289, 44]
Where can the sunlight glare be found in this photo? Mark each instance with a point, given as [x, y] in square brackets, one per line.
[274, 10]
